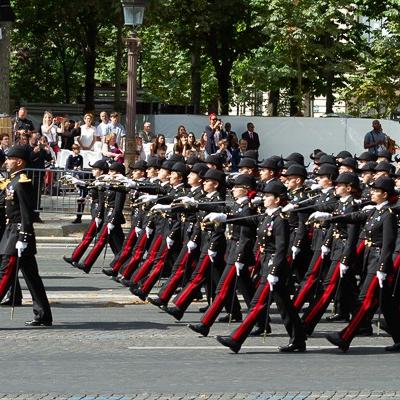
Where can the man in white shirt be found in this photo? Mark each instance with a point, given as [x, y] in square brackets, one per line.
[103, 128]
[118, 129]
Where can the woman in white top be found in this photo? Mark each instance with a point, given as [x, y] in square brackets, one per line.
[50, 130]
[88, 133]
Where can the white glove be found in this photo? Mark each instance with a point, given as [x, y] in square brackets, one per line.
[146, 198]
[257, 201]
[315, 186]
[216, 217]
[320, 215]
[132, 184]
[77, 181]
[343, 269]
[325, 251]
[110, 227]
[381, 277]
[161, 207]
[170, 242]
[188, 201]
[99, 183]
[367, 208]
[289, 207]
[20, 246]
[295, 250]
[191, 246]
[137, 231]
[149, 231]
[272, 280]
[211, 254]
[98, 222]
[239, 266]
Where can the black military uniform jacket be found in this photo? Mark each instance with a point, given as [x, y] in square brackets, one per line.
[342, 237]
[114, 201]
[19, 212]
[380, 229]
[243, 237]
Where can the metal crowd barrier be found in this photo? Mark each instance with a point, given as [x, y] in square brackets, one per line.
[53, 195]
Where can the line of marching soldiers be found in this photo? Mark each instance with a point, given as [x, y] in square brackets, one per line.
[273, 232]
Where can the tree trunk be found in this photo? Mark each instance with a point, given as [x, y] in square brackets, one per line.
[196, 78]
[224, 84]
[118, 64]
[273, 102]
[330, 99]
[293, 101]
[5, 68]
[90, 64]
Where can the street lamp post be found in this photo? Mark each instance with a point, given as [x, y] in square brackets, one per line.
[133, 17]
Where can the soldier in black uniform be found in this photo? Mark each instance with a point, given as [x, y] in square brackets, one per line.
[114, 201]
[380, 228]
[239, 256]
[273, 238]
[18, 245]
[96, 194]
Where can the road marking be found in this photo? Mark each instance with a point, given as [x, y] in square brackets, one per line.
[225, 348]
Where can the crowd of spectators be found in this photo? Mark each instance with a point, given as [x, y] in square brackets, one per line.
[107, 138]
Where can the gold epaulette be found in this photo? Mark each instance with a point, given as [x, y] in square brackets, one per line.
[4, 183]
[23, 179]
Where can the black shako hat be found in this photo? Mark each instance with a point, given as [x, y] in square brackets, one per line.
[328, 170]
[176, 157]
[215, 175]
[193, 159]
[167, 165]
[118, 167]
[369, 166]
[275, 187]
[296, 170]
[154, 162]
[299, 158]
[366, 156]
[246, 181]
[384, 166]
[316, 154]
[349, 162]
[385, 153]
[214, 159]
[344, 154]
[100, 164]
[384, 183]
[140, 164]
[327, 159]
[272, 163]
[247, 162]
[251, 154]
[182, 168]
[349, 178]
[19, 151]
[200, 169]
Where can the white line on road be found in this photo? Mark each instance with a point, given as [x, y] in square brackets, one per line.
[224, 348]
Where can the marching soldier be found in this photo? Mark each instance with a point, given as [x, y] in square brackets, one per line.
[18, 245]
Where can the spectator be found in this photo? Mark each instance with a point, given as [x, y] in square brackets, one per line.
[140, 153]
[181, 131]
[4, 143]
[192, 141]
[40, 153]
[230, 135]
[236, 155]
[181, 145]
[161, 153]
[202, 146]
[22, 124]
[146, 134]
[214, 134]
[74, 160]
[159, 143]
[87, 138]
[375, 140]
[104, 127]
[69, 129]
[226, 155]
[117, 128]
[50, 130]
[110, 151]
[253, 141]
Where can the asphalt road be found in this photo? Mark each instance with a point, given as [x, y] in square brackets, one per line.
[105, 341]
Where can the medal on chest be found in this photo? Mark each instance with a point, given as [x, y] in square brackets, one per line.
[10, 193]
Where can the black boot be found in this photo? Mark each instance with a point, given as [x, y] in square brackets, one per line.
[229, 342]
[199, 328]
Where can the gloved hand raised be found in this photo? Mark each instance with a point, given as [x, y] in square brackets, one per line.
[21, 247]
[216, 217]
